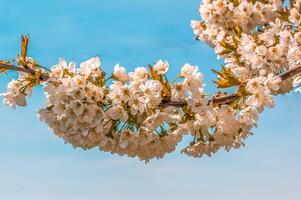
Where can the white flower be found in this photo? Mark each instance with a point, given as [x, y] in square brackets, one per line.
[242, 72]
[260, 99]
[197, 105]
[197, 27]
[274, 53]
[93, 93]
[14, 97]
[198, 149]
[179, 91]
[125, 93]
[88, 113]
[120, 73]
[255, 85]
[117, 113]
[249, 116]
[136, 104]
[77, 107]
[140, 74]
[195, 84]
[205, 118]
[76, 93]
[46, 115]
[89, 67]
[59, 69]
[126, 138]
[58, 108]
[156, 119]
[145, 136]
[294, 55]
[188, 69]
[294, 16]
[152, 92]
[272, 82]
[151, 86]
[161, 67]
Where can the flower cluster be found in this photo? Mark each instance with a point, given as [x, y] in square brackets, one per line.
[73, 109]
[125, 118]
[258, 40]
[143, 114]
[221, 16]
[16, 93]
[133, 116]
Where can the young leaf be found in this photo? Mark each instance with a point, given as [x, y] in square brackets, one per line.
[24, 47]
[226, 78]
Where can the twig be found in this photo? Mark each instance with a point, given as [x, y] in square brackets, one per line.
[230, 98]
[226, 99]
[12, 67]
[27, 70]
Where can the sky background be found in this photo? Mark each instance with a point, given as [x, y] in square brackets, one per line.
[35, 164]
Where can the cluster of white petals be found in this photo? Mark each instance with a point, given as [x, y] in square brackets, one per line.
[124, 118]
[17, 90]
[258, 41]
[138, 113]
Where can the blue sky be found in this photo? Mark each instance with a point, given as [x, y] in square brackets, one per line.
[35, 164]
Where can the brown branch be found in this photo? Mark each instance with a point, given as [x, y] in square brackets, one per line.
[12, 67]
[230, 98]
[289, 73]
[226, 99]
[27, 70]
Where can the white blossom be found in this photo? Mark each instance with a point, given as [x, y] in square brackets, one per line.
[161, 67]
[120, 73]
[295, 16]
[14, 95]
[140, 74]
[188, 70]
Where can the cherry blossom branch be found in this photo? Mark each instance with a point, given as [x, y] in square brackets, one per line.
[226, 99]
[130, 116]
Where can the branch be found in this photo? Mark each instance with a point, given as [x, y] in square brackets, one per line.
[226, 99]
[289, 73]
[26, 69]
[12, 67]
[230, 98]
